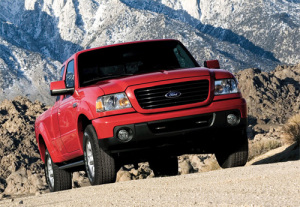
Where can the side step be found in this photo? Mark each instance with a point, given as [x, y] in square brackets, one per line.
[71, 165]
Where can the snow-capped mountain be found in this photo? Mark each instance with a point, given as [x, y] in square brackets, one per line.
[37, 35]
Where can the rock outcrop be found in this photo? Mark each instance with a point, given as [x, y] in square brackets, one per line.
[272, 97]
[21, 169]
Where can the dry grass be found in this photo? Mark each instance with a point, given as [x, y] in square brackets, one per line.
[292, 130]
[261, 147]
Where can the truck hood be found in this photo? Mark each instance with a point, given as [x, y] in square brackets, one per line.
[120, 84]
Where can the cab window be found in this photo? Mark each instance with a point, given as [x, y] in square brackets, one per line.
[62, 70]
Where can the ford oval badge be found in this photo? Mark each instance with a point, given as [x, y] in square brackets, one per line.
[173, 94]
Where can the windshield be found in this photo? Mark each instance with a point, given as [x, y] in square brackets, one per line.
[131, 59]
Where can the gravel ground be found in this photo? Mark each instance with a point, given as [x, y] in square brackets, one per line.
[262, 185]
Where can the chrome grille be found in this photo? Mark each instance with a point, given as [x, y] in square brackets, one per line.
[155, 97]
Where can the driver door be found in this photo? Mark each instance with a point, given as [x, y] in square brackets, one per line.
[67, 114]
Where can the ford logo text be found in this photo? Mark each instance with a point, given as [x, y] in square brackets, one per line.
[173, 94]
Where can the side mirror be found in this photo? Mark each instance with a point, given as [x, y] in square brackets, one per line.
[213, 64]
[59, 88]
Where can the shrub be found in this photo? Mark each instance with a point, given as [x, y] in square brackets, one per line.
[292, 130]
[262, 146]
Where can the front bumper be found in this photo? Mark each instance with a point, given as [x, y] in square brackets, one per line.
[175, 128]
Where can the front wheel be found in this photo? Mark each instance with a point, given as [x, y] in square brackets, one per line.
[56, 178]
[233, 152]
[100, 166]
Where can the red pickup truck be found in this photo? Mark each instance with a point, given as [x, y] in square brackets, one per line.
[139, 101]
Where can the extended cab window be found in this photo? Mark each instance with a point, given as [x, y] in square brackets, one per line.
[70, 75]
[131, 59]
[62, 70]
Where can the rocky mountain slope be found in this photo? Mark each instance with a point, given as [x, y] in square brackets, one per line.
[272, 98]
[37, 35]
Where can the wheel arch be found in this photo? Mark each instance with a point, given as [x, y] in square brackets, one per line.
[42, 147]
[44, 142]
[82, 123]
[84, 118]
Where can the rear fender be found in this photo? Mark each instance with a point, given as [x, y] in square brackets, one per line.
[44, 142]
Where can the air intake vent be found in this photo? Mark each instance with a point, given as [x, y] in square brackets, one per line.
[174, 94]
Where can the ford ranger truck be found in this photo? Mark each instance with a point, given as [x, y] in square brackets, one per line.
[145, 101]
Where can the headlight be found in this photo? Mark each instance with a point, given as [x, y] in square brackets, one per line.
[226, 86]
[112, 102]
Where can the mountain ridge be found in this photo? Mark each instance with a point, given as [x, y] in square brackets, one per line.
[37, 36]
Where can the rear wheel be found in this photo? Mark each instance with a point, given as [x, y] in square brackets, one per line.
[100, 166]
[234, 152]
[56, 178]
[164, 166]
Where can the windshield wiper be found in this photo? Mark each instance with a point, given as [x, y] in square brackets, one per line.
[105, 77]
[160, 69]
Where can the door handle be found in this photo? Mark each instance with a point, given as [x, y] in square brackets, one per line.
[75, 105]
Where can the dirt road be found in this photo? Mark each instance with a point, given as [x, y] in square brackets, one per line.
[261, 185]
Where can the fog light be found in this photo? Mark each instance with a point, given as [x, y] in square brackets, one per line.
[124, 135]
[232, 119]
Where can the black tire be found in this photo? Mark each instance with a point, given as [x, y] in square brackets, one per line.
[56, 178]
[99, 165]
[234, 153]
[164, 166]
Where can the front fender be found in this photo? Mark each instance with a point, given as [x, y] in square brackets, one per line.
[85, 116]
[84, 109]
